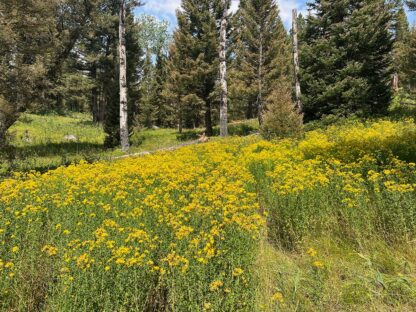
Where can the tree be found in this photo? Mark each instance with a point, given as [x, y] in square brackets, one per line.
[401, 47]
[223, 69]
[124, 126]
[346, 58]
[154, 38]
[296, 66]
[411, 4]
[27, 44]
[282, 118]
[262, 54]
[193, 64]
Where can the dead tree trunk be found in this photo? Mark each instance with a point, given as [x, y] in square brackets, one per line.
[299, 106]
[223, 71]
[124, 129]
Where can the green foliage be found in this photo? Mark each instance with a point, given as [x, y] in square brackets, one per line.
[281, 120]
[193, 65]
[262, 56]
[346, 59]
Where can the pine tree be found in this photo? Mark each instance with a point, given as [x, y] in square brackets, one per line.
[28, 42]
[262, 54]
[401, 47]
[411, 4]
[346, 58]
[99, 49]
[154, 37]
[193, 64]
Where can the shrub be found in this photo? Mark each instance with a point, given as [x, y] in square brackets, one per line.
[137, 138]
[281, 118]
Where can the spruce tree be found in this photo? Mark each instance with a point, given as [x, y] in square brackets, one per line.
[28, 44]
[346, 59]
[193, 64]
[401, 47]
[262, 55]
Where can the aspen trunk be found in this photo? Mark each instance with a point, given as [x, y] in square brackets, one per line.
[299, 106]
[124, 130]
[395, 82]
[223, 71]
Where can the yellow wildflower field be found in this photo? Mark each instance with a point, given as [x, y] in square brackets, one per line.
[179, 231]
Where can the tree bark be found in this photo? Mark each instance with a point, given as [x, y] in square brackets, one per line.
[299, 106]
[260, 103]
[124, 129]
[223, 71]
[395, 82]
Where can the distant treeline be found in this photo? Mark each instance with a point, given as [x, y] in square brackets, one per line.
[62, 55]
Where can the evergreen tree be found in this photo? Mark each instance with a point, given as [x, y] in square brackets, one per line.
[36, 37]
[411, 4]
[410, 68]
[154, 38]
[262, 55]
[346, 58]
[194, 64]
[401, 47]
[98, 52]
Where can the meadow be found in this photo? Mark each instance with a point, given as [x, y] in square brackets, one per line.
[323, 223]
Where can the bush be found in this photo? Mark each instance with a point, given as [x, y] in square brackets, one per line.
[281, 119]
[189, 135]
[137, 138]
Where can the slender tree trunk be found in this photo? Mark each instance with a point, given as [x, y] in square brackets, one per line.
[299, 106]
[208, 120]
[124, 129]
[94, 95]
[223, 71]
[395, 82]
[260, 104]
[7, 119]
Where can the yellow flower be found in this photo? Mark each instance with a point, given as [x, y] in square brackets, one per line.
[278, 297]
[312, 252]
[50, 250]
[215, 285]
[15, 249]
[238, 272]
[318, 264]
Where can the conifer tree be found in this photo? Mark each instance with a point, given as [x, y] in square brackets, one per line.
[411, 4]
[193, 64]
[346, 58]
[262, 54]
[401, 47]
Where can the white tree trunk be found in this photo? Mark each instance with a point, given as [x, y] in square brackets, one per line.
[223, 71]
[299, 106]
[124, 129]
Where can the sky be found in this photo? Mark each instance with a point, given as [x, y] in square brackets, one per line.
[165, 9]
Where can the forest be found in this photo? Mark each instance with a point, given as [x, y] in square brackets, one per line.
[231, 161]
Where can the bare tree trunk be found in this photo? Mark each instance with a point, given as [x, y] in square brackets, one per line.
[396, 82]
[260, 104]
[299, 106]
[223, 71]
[124, 129]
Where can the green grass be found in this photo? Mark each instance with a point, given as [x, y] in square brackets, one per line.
[340, 206]
[37, 141]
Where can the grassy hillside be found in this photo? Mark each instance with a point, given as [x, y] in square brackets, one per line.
[326, 223]
[37, 142]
